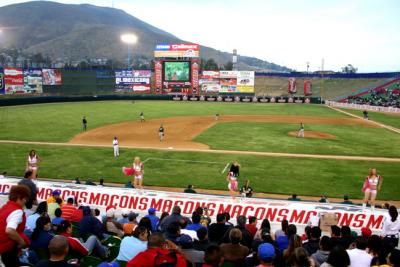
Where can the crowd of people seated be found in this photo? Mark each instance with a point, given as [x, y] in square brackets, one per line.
[59, 232]
[383, 97]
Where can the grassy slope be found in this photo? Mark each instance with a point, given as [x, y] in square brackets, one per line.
[385, 118]
[273, 137]
[60, 122]
[267, 174]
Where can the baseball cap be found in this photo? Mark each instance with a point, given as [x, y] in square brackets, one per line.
[109, 264]
[152, 210]
[56, 192]
[266, 251]
[110, 213]
[366, 232]
[111, 207]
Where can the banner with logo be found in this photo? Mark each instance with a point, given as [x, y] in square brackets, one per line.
[307, 87]
[275, 211]
[292, 86]
[195, 75]
[245, 82]
[52, 77]
[133, 80]
[227, 81]
[2, 91]
[14, 80]
[158, 76]
[33, 81]
[177, 50]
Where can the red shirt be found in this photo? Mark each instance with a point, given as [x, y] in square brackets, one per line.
[77, 215]
[148, 257]
[252, 229]
[75, 244]
[67, 211]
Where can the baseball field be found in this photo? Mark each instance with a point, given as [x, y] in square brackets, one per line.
[332, 159]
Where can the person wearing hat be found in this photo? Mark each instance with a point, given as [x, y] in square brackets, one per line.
[266, 254]
[130, 226]
[112, 226]
[124, 218]
[194, 256]
[56, 194]
[153, 218]
[366, 232]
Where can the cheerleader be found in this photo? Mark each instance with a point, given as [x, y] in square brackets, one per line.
[32, 164]
[138, 167]
[372, 184]
[232, 184]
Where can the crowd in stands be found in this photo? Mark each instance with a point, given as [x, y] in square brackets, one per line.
[59, 232]
[383, 97]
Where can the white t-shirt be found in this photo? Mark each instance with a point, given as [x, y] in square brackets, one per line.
[14, 219]
[389, 227]
[115, 142]
[191, 233]
[359, 258]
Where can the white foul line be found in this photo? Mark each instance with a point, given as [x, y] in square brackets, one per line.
[184, 160]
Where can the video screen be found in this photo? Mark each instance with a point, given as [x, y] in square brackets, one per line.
[177, 71]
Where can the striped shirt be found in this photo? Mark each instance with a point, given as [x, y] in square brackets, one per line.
[67, 211]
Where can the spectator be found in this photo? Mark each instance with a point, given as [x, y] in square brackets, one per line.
[205, 218]
[216, 231]
[247, 239]
[282, 231]
[195, 225]
[54, 196]
[41, 210]
[41, 236]
[133, 245]
[183, 224]
[394, 258]
[146, 223]
[58, 248]
[301, 258]
[173, 232]
[12, 225]
[189, 189]
[323, 199]
[378, 250]
[246, 190]
[51, 207]
[325, 246]
[89, 182]
[266, 226]
[391, 227]
[153, 218]
[79, 249]
[366, 232]
[338, 257]
[346, 200]
[202, 241]
[98, 215]
[283, 241]
[68, 209]
[129, 227]
[359, 256]
[234, 252]
[89, 225]
[27, 181]
[312, 245]
[58, 219]
[345, 237]
[194, 256]
[174, 217]
[227, 218]
[111, 226]
[77, 215]
[212, 256]
[124, 219]
[163, 215]
[294, 198]
[252, 226]
[288, 254]
[158, 250]
[266, 255]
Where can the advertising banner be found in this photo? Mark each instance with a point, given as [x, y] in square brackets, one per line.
[33, 82]
[307, 87]
[245, 82]
[13, 80]
[275, 211]
[195, 74]
[158, 76]
[210, 74]
[133, 80]
[228, 74]
[2, 91]
[292, 86]
[177, 50]
[52, 77]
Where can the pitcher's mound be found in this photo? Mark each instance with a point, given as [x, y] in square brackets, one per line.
[313, 134]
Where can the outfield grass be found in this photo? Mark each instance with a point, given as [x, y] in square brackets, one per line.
[60, 122]
[385, 118]
[267, 174]
[273, 137]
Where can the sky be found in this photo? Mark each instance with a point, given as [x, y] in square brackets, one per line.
[327, 34]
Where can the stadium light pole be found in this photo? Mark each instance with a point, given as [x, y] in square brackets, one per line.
[129, 39]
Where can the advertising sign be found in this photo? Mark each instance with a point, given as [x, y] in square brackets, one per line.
[307, 87]
[177, 50]
[14, 80]
[133, 80]
[33, 82]
[2, 91]
[158, 75]
[228, 74]
[210, 74]
[292, 86]
[52, 77]
[195, 74]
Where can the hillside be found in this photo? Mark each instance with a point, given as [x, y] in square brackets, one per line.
[84, 31]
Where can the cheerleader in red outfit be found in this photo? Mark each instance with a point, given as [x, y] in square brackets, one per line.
[136, 171]
[232, 184]
[372, 185]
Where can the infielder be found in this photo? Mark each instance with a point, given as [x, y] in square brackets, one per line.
[161, 133]
[301, 131]
[142, 117]
[116, 147]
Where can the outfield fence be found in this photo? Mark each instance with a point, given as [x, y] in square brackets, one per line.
[362, 107]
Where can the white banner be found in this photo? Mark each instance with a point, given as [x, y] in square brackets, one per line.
[362, 107]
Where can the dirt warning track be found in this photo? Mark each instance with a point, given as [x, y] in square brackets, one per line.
[180, 131]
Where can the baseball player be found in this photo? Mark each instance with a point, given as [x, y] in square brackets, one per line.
[161, 133]
[116, 147]
[84, 123]
[142, 117]
[301, 131]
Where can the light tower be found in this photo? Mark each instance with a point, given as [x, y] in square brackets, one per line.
[234, 59]
[129, 39]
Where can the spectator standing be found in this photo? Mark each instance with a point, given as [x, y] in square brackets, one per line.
[12, 225]
[252, 226]
[359, 256]
[27, 181]
[312, 245]
[288, 254]
[338, 257]
[216, 231]
[391, 227]
[321, 256]
[234, 252]
[195, 225]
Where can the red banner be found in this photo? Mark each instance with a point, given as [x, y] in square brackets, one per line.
[13, 80]
[158, 76]
[307, 87]
[292, 87]
[195, 75]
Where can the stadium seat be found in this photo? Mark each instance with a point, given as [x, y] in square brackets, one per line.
[90, 261]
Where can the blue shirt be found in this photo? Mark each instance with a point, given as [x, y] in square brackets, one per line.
[42, 241]
[195, 226]
[31, 221]
[130, 247]
[57, 221]
[154, 221]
